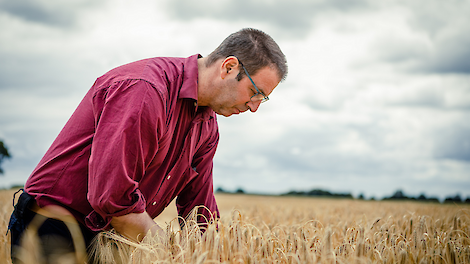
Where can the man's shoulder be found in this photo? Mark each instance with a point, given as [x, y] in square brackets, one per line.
[162, 69]
[159, 71]
[145, 69]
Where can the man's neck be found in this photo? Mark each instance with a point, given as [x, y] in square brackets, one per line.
[203, 86]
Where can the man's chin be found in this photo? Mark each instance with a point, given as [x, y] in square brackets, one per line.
[223, 114]
[227, 114]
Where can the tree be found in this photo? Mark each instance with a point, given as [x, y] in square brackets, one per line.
[220, 190]
[3, 154]
[240, 190]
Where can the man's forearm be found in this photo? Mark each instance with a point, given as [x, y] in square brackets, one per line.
[135, 226]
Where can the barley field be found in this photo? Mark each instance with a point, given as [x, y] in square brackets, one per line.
[264, 229]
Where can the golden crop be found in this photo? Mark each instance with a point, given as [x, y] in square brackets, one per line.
[263, 229]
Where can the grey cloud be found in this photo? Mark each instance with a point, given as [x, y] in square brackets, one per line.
[432, 17]
[318, 152]
[453, 143]
[293, 18]
[52, 13]
[452, 56]
[25, 72]
[45, 75]
[439, 43]
[305, 157]
[429, 97]
[376, 148]
[446, 56]
[321, 105]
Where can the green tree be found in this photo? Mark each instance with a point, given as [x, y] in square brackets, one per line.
[3, 154]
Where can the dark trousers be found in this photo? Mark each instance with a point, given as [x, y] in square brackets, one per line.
[53, 234]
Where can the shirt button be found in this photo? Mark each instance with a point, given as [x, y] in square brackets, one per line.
[154, 203]
[169, 176]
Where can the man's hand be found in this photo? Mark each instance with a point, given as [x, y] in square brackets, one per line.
[135, 226]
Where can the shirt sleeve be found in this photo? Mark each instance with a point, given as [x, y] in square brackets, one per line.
[200, 192]
[128, 116]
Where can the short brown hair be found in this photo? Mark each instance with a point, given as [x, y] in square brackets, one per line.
[255, 49]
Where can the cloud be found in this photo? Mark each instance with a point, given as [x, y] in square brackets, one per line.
[293, 18]
[453, 142]
[434, 17]
[427, 37]
[33, 72]
[376, 157]
[47, 12]
[451, 56]
[447, 54]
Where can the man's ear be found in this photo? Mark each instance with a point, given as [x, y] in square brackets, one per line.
[229, 67]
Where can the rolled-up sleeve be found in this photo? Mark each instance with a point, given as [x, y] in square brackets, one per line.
[199, 193]
[128, 116]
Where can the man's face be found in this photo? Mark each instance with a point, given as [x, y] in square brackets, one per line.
[233, 97]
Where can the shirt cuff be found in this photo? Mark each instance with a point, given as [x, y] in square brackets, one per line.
[97, 222]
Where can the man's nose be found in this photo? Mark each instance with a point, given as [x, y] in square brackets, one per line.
[253, 106]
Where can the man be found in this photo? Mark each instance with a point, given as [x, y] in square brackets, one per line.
[145, 133]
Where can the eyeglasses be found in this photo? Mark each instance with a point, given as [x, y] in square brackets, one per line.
[259, 96]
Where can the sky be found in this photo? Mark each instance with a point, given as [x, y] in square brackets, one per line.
[377, 98]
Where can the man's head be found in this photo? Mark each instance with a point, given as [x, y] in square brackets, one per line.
[255, 49]
[241, 72]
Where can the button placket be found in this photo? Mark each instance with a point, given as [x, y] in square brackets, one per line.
[187, 152]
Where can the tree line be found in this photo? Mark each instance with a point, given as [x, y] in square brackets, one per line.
[397, 196]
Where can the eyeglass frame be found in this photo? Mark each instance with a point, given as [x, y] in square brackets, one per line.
[265, 98]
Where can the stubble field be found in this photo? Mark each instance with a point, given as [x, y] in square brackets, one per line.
[263, 229]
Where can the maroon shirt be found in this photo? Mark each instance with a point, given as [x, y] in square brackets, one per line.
[136, 141]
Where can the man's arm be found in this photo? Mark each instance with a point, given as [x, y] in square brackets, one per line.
[200, 191]
[129, 118]
[135, 226]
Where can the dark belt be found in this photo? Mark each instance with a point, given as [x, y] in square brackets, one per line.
[21, 211]
[25, 201]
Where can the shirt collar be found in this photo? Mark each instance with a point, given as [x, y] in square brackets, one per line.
[190, 75]
[189, 87]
